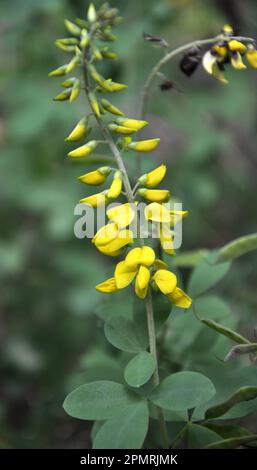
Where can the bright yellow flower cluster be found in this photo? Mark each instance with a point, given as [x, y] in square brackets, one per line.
[228, 51]
[139, 264]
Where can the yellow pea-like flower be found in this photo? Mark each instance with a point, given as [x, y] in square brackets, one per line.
[116, 186]
[165, 280]
[106, 235]
[64, 95]
[75, 90]
[113, 248]
[108, 286]
[177, 216]
[251, 56]
[122, 214]
[154, 177]
[179, 298]
[96, 177]
[144, 145]
[111, 108]
[59, 72]
[140, 256]
[155, 195]
[237, 46]
[166, 239]
[124, 275]
[79, 132]
[96, 200]
[221, 50]
[237, 62]
[121, 129]
[131, 123]
[94, 104]
[72, 28]
[142, 282]
[218, 74]
[84, 150]
[157, 213]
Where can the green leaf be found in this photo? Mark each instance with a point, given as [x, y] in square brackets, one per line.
[225, 331]
[239, 350]
[206, 275]
[237, 248]
[126, 430]
[199, 436]
[140, 369]
[243, 394]
[123, 334]
[98, 400]
[189, 259]
[183, 391]
[232, 443]
[227, 430]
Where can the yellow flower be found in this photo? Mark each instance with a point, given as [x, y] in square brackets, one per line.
[117, 86]
[157, 213]
[142, 282]
[166, 239]
[154, 177]
[96, 200]
[212, 66]
[156, 195]
[111, 108]
[236, 61]
[116, 186]
[74, 61]
[141, 255]
[131, 123]
[167, 283]
[144, 145]
[84, 150]
[106, 234]
[79, 132]
[122, 214]
[107, 286]
[96, 177]
[125, 237]
[121, 129]
[237, 46]
[251, 56]
[227, 30]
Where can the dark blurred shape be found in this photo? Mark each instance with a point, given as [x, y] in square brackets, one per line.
[190, 61]
[158, 41]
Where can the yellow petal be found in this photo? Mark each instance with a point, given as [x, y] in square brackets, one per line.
[166, 239]
[96, 177]
[105, 235]
[236, 61]
[220, 49]
[113, 248]
[123, 275]
[179, 298]
[153, 178]
[134, 124]
[252, 56]
[218, 74]
[227, 29]
[58, 72]
[144, 145]
[165, 280]
[155, 195]
[116, 186]
[94, 104]
[84, 150]
[147, 256]
[237, 46]
[159, 264]
[142, 281]
[132, 259]
[79, 132]
[111, 108]
[177, 216]
[107, 286]
[140, 256]
[96, 200]
[208, 61]
[121, 129]
[122, 214]
[117, 86]
[157, 213]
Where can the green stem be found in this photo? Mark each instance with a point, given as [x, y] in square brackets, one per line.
[156, 379]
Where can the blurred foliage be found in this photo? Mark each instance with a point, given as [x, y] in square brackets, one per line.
[50, 338]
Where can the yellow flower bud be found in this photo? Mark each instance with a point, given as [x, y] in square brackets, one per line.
[96, 177]
[111, 108]
[142, 282]
[121, 129]
[179, 298]
[159, 264]
[131, 123]
[75, 90]
[237, 46]
[108, 54]
[108, 286]
[64, 47]
[96, 200]
[144, 145]
[59, 72]
[94, 104]
[153, 178]
[72, 28]
[236, 61]
[96, 53]
[227, 29]
[64, 95]
[68, 83]
[79, 132]
[106, 235]
[116, 186]
[114, 86]
[73, 63]
[122, 214]
[91, 14]
[155, 195]
[251, 56]
[85, 38]
[165, 280]
[84, 150]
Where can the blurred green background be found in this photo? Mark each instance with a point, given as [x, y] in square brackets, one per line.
[48, 329]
